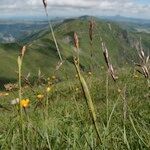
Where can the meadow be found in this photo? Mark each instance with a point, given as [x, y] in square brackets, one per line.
[60, 118]
[85, 103]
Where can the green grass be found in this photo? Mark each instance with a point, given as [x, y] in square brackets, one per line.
[92, 112]
[68, 125]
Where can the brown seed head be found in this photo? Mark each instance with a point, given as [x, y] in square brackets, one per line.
[146, 72]
[10, 86]
[76, 40]
[105, 53]
[22, 51]
[91, 27]
[45, 3]
[112, 72]
[147, 59]
[107, 60]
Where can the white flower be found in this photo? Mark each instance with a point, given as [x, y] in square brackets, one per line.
[14, 101]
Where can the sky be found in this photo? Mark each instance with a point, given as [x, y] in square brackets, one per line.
[59, 8]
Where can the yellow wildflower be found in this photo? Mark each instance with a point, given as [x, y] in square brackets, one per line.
[53, 77]
[135, 76]
[77, 89]
[90, 73]
[6, 94]
[24, 103]
[119, 90]
[76, 76]
[40, 96]
[48, 89]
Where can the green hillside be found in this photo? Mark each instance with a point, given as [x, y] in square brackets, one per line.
[76, 107]
[41, 52]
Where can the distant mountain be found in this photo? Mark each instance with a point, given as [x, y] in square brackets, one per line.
[41, 52]
[12, 30]
[136, 24]
[126, 19]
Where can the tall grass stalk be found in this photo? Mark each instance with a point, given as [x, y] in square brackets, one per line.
[138, 135]
[76, 45]
[113, 110]
[79, 114]
[52, 31]
[20, 59]
[88, 100]
[143, 66]
[91, 27]
[107, 101]
[48, 141]
[47, 106]
[125, 118]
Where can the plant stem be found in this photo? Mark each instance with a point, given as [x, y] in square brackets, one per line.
[53, 35]
[20, 97]
[107, 102]
[88, 101]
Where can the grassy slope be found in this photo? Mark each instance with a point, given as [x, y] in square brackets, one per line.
[68, 125]
[41, 52]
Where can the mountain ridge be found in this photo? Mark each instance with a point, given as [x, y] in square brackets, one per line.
[42, 54]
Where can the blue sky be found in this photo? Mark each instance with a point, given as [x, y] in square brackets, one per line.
[143, 1]
[129, 8]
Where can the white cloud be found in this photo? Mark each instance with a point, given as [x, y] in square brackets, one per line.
[125, 7]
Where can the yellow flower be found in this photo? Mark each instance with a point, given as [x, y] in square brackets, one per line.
[24, 103]
[119, 90]
[6, 94]
[135, 76]
[48, 89]
[90, 73]
[40, 96]
[53, 77]
[77, 89]
[76, 76]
